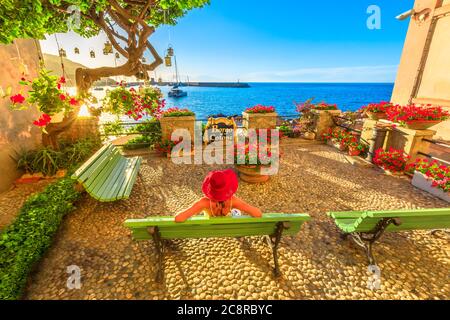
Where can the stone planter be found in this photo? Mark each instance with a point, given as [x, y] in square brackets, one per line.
[376, 115]
[170, 124]
[251, 173]
[421, 125]
[323, 121]
[260, 120]
[420, 181]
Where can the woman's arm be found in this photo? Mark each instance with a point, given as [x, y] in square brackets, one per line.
[196, 208]
[245, 207]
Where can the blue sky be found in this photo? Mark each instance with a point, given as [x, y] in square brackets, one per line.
[279, 41]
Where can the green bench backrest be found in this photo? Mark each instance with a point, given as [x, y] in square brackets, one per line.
[422, 219]
[108, 175]
[204, 227]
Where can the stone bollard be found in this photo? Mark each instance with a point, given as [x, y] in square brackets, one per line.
[323, 120]
[411, 141]
[82, 128]
[260, 120]
[170, 124]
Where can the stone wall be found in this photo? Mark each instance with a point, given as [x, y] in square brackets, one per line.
[16, 130]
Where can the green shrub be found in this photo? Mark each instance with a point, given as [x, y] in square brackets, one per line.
[49, 161]
[150, 131]
[113, 128]
[23, 243]
[138, 143]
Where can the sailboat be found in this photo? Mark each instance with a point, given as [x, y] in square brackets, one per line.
[176, 92]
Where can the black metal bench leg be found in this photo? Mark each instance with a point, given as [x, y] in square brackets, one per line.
[275, 243]
[159, 246]
[367, 239]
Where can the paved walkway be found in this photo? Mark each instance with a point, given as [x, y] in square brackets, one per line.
[316, 264]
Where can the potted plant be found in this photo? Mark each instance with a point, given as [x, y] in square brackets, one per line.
[250, 170]
[417, 117]
[432, 177]
[377, 111]
[177, 118]
[260, 117]
[392, 161]
[48, 95]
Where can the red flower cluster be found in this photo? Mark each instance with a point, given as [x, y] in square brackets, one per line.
[406, 114]
[260, 109]
[393, 160]
[381, 107]
[165, 147]
[43, 121]
[433, 170]
[17, 98]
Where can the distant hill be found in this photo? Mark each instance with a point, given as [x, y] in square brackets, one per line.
[53, 63]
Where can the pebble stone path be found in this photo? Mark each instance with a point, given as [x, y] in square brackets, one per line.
[316, 264]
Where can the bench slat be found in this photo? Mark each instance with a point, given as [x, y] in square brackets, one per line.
[111, 187]
[102, 178]
[198, 220]
[125, 178]
[91, 160]
[133, 178]
[96, 166]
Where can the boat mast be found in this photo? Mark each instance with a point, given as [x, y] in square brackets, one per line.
[176, 69]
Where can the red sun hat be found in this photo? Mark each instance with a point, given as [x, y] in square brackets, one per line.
[220, 185]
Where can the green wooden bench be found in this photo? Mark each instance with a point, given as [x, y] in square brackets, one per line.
[161, 229]
[366, 227]
[108, 176]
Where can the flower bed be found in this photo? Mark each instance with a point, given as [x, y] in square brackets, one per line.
[392, 161]
[417, 117]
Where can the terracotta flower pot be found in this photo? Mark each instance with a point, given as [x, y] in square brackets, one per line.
[421, 124]
[376, 115]
[251, 173]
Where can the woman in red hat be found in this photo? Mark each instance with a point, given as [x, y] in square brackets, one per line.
[219, 188]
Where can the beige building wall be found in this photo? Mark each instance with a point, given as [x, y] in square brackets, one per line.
[16, 130]
[424, 72]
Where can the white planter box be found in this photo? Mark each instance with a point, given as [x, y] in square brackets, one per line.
[420, 181]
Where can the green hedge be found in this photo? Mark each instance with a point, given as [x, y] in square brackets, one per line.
[23, 243]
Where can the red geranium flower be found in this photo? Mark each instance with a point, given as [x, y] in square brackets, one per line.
[62, 80]
[73, 102]
[43, 121]
[62, 97]
[18, 98]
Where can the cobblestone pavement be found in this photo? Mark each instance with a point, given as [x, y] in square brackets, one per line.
[12, 200]
[316, 264]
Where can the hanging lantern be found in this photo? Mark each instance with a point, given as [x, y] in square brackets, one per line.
[117, 55]
[170, 51]
[92, 53]
[168, 61]
[144, 60]
[62, 53]
[76, 50]
[108, 48]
